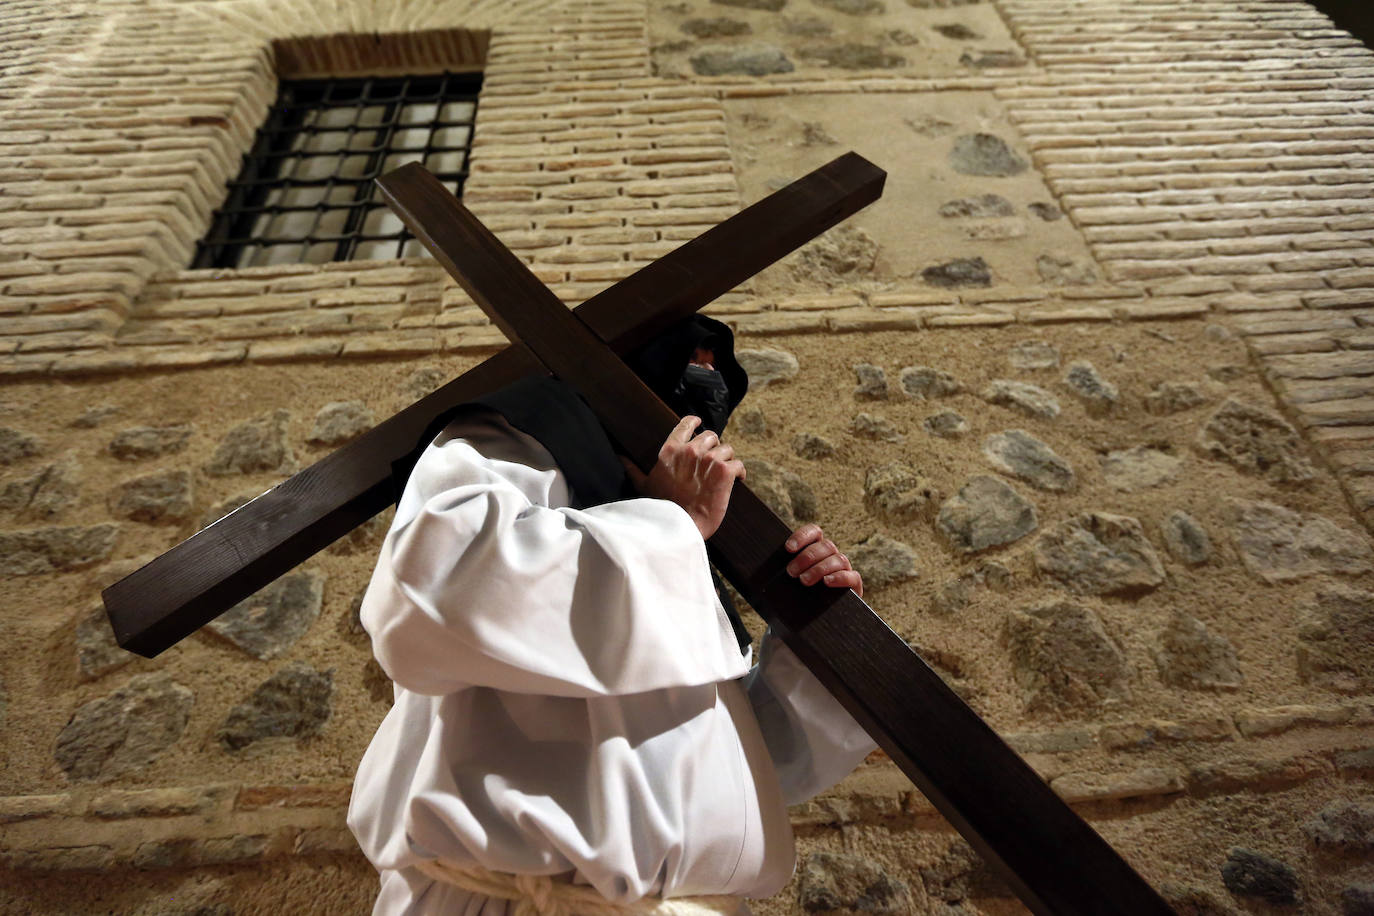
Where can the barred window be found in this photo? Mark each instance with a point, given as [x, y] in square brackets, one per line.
[306, 193]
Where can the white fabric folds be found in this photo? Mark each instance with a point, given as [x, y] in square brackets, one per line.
[570, 696]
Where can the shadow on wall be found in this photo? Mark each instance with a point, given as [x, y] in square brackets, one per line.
[1355, 16]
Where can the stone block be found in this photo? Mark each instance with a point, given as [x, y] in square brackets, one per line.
[1144, 782]
[1257, 774]
[15, 808]
[254, 798]
[166, 802]
[61, 858]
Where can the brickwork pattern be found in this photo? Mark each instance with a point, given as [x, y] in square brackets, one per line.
[1215, 155]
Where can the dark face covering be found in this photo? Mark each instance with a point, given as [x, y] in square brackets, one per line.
[703, 392]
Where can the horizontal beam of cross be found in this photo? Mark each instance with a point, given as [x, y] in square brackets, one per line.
[1054, 861]
[202, 577]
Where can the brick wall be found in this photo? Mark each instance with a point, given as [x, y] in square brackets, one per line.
[1214, 158]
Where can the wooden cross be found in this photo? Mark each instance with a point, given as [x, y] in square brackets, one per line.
[1049, 856]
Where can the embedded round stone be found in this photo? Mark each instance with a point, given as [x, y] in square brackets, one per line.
[48, 492]
[767, 365]
[125, 730]
[1191, 656]
[836, 882]
[1058, 269]
[872, 382]
[883, 561]
[1139, 468]
[1257, 441]
[947, 424]
[924, 383]
[782, 491]
[1062, 657]
[751, 60]
[1084, 382]
[1031, 400]
[1033, 354]
[1358, 899]
[984, 206]
[1173, 397]
[959, 272]
[268, 622]
[899, 491]
[749, 421]
[1247, 873]
[1343, 826]
[42, 550]
[421, 382]
[293, 703]
[1021, 455]
[1186, 539]
[161, 497]
[872, 426]
[97, 652]
[986, 512]
[139, 442]
[1098, 553]
[1336, 641]
[256, 446]
[1277, 544]
[716, 27]
[853, 56]
[340, 421]
[837, 258]
[957, 31]
[92, 417]
[985, 154]
[16, 445]
[812, 447]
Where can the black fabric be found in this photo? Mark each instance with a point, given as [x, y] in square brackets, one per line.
[662, 360]
[557, 417]
[554, 414]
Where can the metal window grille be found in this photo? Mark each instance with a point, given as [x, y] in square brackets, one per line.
[306, 195]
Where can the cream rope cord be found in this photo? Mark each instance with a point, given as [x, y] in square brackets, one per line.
[546, 895]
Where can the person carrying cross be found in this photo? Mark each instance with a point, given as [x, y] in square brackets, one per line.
[578, 726]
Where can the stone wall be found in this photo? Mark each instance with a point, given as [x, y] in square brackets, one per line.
[1086, 395]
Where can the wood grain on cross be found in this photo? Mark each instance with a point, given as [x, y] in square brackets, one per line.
[1053, 860]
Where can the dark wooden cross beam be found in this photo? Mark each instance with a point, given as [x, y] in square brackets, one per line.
[1049, 856]
[202, 577]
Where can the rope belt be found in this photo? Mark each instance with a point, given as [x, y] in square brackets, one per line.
[556, 895]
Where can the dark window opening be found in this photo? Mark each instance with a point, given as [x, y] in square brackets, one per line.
[306, 193]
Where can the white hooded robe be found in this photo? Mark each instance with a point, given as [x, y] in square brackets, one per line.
[570, 696]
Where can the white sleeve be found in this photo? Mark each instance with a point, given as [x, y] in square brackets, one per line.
[814, 743]
[478, 585]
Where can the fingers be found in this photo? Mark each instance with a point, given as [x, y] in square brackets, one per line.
[816, 553]
[703, 442]
[817, 571]
[846, 578]
[684, 429]
[804, 535]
